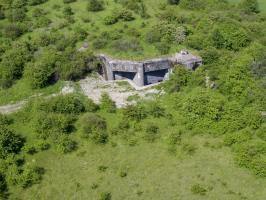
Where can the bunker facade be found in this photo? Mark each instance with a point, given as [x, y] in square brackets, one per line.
[146, 72]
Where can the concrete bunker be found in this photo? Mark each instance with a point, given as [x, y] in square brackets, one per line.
[146, 72]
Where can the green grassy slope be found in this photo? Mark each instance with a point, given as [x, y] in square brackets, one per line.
[152, 173]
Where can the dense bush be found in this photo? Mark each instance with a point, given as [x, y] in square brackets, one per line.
[251, 155]
[42, 72]
[250, 6]
[65, 145]
[151, 132]
[229, 37]
[94, 127]
[178, 79]
[13, 63]
[50, 125]
[13, 30]
[3, 185]
[64, 104]
[95, 5]
[30, 175]
[107, 104]
[10, 143]
[136, 113]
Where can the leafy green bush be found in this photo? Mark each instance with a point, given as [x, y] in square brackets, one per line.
[136, 113]
[42, 72]
[13, 30]
[10, 143]
[63, 104]
[29, 149]
[95, 5]
[65, 145]
[178, 79]
[198, 189]
[151, 132]
[229, 37]
[105, 196]
[49, 125]
[251, 155]
[250, 6]
[156, 110]
[5, 120]
[110, 20]
[30, 175]
[107, 104]
[94, 127]
[3, 185]
[238, 137]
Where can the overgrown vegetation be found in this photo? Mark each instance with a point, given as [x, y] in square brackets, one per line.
[224, 100]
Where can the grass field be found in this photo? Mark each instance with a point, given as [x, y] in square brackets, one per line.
[152, 173]
[130, 168]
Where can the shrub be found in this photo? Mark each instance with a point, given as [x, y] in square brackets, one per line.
[10, 143]
[136, 113]
[30, 175]
[251, 155]
[198, 189]
[13, 31]
[105, 196]
[107, 104]
[99, 43]
[156, 110]
[95, 5]
[250, 6]
[49, 125]
[178, 79]
[238, 137]
[173, 2]
[63, 104]
[42, 145]
[110, 20]
[90, 106]
[174, 137]
[68, 11]
[94, 127]
[42, 72]
[126, 15]
[189, 148]
[151, 132]
[4, 120]
[3, 185]
[29, 149]
[65, 145]
[229, 37]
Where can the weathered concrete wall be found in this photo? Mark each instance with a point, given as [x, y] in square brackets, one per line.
[141, 69]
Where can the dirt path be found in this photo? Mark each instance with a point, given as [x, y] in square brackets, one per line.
[120, 91]
[10, 108]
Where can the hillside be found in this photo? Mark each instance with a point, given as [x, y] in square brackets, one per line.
[66, 133]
